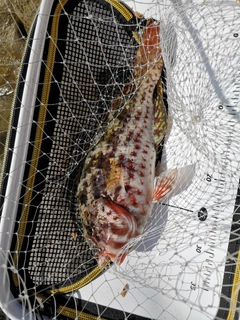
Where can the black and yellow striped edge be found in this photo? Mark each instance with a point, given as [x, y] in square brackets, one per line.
[74, 314]
[235, 291]
[38, 140]
[81, 283]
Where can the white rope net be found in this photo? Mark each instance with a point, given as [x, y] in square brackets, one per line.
[185, 263]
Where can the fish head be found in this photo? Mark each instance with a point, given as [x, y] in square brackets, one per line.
[111, 227]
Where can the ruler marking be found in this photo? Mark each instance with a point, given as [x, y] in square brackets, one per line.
[213, 239]
[210, 249]
[209, 252]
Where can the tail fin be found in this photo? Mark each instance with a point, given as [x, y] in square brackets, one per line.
[149, 52]
[151, 36]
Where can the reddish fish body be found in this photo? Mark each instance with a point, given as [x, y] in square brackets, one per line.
[116, 189]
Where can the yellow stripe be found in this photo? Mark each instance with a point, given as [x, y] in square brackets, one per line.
[235, 290]
[136, 37]
[121, 8]
[84, 281]
[71, 313]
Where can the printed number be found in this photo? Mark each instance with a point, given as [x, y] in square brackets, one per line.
[198, 249]
[209, 178]
[192, 286]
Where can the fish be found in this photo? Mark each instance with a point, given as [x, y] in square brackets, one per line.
[118, 187]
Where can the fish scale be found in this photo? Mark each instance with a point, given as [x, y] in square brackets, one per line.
[116, 189]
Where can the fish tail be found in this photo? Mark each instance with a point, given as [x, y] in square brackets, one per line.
[149, 50]
[151, 35]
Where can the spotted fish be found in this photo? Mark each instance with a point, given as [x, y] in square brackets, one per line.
[118, 187]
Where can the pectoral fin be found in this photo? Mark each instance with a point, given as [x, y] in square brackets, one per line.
[164, 184]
